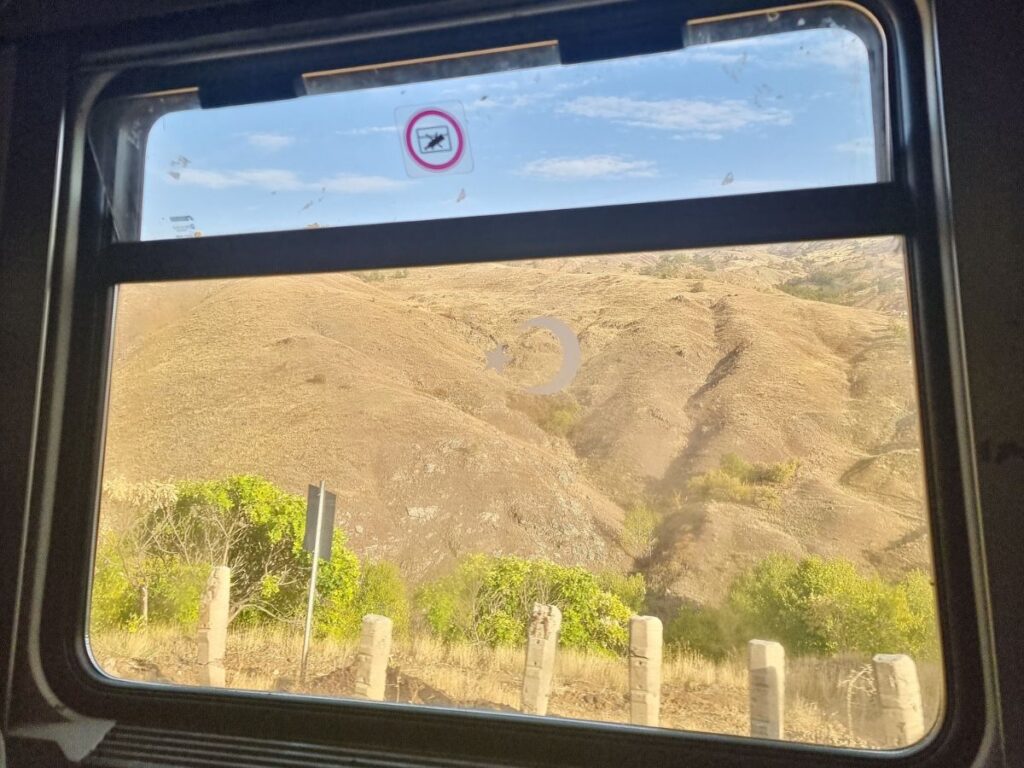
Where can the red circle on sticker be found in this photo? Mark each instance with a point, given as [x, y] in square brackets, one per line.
[435, 145]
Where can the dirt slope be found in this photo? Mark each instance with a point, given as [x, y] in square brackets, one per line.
[380, 384]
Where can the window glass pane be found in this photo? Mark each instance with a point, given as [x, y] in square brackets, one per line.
[516, 131]
[724, 439]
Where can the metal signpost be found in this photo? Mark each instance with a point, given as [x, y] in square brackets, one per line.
[320, 507]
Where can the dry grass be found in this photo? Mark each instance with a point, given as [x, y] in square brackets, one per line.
[828, 701]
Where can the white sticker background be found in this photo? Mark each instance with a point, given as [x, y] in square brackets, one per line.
[434, 139]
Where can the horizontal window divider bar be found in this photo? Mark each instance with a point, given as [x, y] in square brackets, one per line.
[812, 214]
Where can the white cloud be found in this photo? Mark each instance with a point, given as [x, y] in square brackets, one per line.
[270, 141]
[687, 117]
[863, 146]
[267, 178]
[706, 136]
[351, 183]
[278, 180]
[368, 131]
[589, 167]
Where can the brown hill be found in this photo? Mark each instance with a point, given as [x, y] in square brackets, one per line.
[379, 383]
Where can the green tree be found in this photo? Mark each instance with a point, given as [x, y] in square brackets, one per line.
[115, 601]
[381, 591]
[819, 606]
[244, 522]
[251, 525]
[124, 556]
[449, 604]
[630, 589]
[173, 588]
[490, 599]
[919, 622]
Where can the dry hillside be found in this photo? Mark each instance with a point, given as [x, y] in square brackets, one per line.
[379, 383]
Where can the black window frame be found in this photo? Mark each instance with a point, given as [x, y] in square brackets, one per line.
[87, 266]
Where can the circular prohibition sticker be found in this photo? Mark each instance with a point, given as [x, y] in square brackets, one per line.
[434, 140]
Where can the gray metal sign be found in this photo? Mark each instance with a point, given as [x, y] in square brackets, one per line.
[326, 526]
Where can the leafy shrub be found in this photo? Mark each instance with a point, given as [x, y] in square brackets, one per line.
[174, 592]
[449, 605]
[777, 474]
[741, 482]
[818, 606]
[561, 419]
[813, 606]
[916, 617]
[381, 591]
[244, 522]
[115, 600]
[630, 589]
[555, 414]
[703, 631]
[173, 589]
[718, 485]
[489, 599]
[639, 527]
[251, 525]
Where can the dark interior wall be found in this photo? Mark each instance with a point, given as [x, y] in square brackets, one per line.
[34, 101]
[6, 546]
[982, 66]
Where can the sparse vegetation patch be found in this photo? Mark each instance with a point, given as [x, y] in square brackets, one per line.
[672, 265]
[847, 284]
[380, 275]
[556, 415]
[639, 529]
[742, 482]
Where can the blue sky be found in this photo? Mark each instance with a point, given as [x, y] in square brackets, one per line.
[786, 111]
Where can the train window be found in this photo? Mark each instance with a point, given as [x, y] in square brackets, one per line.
[573, 384]
[786, 103]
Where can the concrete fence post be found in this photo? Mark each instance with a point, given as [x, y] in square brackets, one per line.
[644, 670]
[213, 626]
[899, 694]
[372, 657]
[767, 665]
[542, 640]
